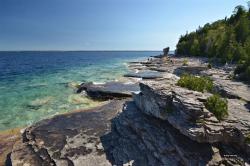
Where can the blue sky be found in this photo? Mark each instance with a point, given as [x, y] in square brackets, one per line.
[104, 24]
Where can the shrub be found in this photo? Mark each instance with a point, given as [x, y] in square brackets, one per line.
[218, 106]
[185, 62]
[209, 65]
[247, 140]
[196, 83]
[169, 110]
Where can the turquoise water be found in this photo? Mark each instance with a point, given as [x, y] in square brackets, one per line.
[37, 85]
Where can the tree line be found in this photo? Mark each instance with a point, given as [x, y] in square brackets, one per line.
[227, 40]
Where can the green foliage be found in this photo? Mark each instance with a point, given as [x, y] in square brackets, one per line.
[200, 84]
[218, 106]
[227, 40]
[185, 62]
[247, 140]
[209, 65]
[169, 110]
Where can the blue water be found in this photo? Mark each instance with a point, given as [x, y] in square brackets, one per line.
[37, 85]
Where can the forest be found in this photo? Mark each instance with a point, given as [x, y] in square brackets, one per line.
[226, 41]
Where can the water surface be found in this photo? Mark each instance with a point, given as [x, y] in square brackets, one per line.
[36, 85]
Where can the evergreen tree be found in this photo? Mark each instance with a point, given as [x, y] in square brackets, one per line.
[227, 39]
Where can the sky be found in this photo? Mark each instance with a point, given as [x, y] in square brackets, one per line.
[104, 24]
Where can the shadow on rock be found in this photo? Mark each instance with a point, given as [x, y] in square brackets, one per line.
[138, 139]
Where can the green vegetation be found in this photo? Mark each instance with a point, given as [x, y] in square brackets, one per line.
[247, 140]
[217, 106]
[200, 121]
[169, 110]
[209, 66]
[227, 40]
[196, 83]
[185, 62]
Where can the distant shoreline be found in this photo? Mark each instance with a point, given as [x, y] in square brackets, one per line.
[81, 51]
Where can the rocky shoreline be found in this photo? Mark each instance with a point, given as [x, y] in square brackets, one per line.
[147, 120]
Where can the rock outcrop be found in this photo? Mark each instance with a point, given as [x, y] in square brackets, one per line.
[68, 139]
[109, 90]
[185, 111]
[145, 140]
[162, 125]
[166, 51]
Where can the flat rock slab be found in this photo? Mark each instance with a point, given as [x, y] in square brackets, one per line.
[232, 89]
[195, 70]
[147, 74]
[109, 90]
[68, 139]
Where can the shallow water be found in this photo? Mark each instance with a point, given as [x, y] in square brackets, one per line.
[37, 85]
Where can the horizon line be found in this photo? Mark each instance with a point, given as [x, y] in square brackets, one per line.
[70, 50]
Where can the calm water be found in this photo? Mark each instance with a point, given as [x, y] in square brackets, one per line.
[36, 85]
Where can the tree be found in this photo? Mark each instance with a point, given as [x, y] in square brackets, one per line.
[242, 29]
[226, 39]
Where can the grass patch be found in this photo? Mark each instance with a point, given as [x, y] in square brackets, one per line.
[218, 106]
[185, 62]
[200, 84]
[201, 121]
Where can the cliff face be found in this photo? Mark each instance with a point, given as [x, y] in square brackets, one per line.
[163, 124]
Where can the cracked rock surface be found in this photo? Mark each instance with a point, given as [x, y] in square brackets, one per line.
[69, 139]
[184, 110]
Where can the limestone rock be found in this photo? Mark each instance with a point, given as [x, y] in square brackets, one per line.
[166, 50]
[185, 111]
[68, 139]
[146, 74]
[109, 90]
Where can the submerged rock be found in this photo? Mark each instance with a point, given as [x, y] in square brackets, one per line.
[109, 90]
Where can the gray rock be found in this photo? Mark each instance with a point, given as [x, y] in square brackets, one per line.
[195, 70]
[146, 74]
[109, 90]
[185, 111]
[226, 86]
[166, 50]
[68, 139]
[157, 142]
[232, 89]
